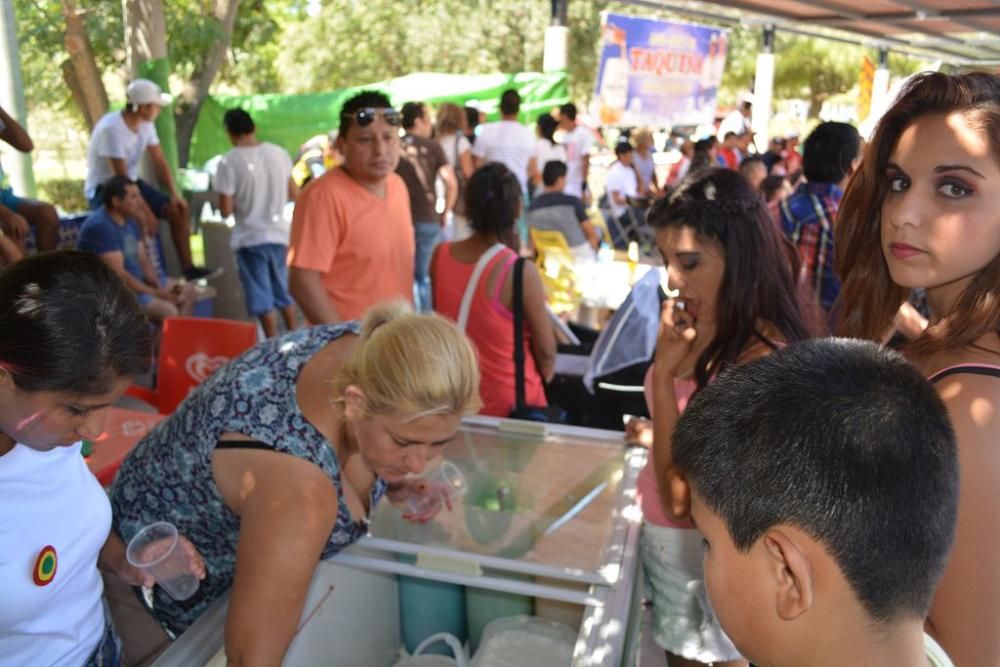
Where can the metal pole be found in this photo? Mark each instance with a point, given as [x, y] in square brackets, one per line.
[763, 90]
[22, 178]
[556, 46]
[559, 12]
[880, 85]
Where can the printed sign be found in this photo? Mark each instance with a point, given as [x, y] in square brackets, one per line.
[658, 73]
[200, 366]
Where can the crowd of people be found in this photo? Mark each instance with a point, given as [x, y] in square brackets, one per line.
[807, 501]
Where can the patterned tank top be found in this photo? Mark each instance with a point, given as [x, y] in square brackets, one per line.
[168, 476]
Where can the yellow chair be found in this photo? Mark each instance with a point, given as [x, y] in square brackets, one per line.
[556, 264]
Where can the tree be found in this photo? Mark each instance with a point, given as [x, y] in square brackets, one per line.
[80, 70]
[205, 38]
[349, 43]
[805, 67]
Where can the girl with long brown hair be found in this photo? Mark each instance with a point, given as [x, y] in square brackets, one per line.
[923, 211]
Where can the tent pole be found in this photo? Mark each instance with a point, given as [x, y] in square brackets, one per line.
[763, 90]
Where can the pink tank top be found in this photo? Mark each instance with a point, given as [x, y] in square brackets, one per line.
[490, 328]
[646, 485]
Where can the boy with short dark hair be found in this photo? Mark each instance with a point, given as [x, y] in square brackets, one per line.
[824, 478]
[254, 182]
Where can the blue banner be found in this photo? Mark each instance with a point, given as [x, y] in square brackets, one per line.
[658, 73]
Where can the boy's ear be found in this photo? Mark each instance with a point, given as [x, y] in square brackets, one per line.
[354, 402]
[792, 572]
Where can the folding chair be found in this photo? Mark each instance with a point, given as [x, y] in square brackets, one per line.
[555, 262]
[191, 349]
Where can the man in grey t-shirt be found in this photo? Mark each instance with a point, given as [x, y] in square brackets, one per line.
[553, 210]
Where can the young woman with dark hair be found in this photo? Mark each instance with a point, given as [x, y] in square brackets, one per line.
[733, 299]
[923, 211]
[493, 202]
[547, 149]
[72, 338]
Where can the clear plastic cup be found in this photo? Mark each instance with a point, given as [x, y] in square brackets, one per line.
[157, 549]
[443, 485]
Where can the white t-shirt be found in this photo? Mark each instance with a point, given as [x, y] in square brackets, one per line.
[510, 143]
[546, 151]
[50, 499]
[577, 142]
[256, 177]
[112, 138]
[450, 151]
[935, 654]
[734, 122]
[623, 180]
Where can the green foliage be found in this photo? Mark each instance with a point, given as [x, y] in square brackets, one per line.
[191, 31]
[349, 43]
[278, 46]
[66, 193]
[805, 67]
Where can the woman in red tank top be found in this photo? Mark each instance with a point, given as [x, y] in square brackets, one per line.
[493, 204]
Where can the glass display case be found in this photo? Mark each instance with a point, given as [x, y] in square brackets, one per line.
[547, 512]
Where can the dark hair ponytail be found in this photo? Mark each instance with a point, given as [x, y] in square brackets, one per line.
[493, 200]
[69, 324]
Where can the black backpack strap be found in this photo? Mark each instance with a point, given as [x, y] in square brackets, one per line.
[518, 305]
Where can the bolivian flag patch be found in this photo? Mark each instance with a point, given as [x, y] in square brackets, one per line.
[45, 566]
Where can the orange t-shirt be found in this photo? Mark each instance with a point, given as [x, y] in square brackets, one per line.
[361, 244]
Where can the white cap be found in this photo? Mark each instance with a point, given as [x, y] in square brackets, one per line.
[144, 91]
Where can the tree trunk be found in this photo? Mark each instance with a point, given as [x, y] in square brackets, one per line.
[196, 90]
[80, 71]
[145, 33]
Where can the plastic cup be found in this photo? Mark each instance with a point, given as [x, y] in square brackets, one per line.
[157, 549]
[443, 485]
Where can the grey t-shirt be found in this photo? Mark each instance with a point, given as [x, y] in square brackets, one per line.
[559, 212]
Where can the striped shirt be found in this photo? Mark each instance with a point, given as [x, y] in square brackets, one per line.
[509, 143]
[807, 218]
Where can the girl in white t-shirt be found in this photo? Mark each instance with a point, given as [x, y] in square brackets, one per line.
[547, 150]
[72, 338]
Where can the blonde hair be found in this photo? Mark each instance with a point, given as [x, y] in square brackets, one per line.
[416, 365]
[450, 118]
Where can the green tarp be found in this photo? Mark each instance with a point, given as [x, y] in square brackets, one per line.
[289, 120]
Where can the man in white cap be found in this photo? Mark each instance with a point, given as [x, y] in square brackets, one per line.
[737, 121]
[117, 144]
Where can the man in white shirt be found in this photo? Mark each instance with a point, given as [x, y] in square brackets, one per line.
[737, 121]
[577, 140]
[622, 183]
[508, 142]
[117, 143]
[254, 182]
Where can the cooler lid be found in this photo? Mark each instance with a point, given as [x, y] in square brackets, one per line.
[544, 500]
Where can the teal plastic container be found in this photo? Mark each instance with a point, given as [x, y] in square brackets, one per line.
[428, 607]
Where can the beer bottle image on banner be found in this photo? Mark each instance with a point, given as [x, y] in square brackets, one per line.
[614, 78]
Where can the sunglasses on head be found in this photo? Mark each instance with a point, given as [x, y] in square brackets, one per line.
[366, 116]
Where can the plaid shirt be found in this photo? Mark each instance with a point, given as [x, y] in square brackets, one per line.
[807, 218]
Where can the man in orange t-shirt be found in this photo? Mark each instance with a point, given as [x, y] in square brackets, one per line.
[352, 235]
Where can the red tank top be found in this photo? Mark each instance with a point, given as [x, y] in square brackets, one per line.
[490, 328]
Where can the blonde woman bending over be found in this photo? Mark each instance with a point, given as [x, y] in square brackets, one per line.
[277, 460]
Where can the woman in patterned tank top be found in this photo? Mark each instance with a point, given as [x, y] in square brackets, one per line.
[276, 461]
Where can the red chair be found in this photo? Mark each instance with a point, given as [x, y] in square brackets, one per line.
[191, 349]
